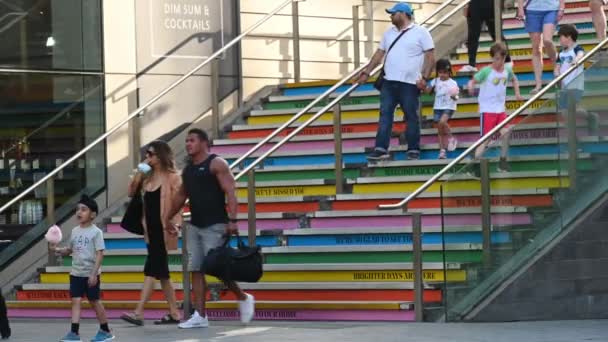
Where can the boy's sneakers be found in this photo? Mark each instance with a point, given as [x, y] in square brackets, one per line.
[503, 165]
[452, 143]
[474, 171]
[195, 321]
[442, 154]
[247, 308]
[468, 68]
[378, 155]
[102, 336]
[413, 155]
[70, 337]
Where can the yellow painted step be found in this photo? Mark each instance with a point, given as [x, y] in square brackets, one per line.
[465, 185]
[289, 276]
[303, 190]
[373, 114]
[129, 305]
[514, 52]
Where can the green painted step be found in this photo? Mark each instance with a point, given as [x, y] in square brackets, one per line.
[361, 100]
[313, 258]
[305, 174]
[522, 41]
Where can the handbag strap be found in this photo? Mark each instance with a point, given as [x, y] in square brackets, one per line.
[395, 41]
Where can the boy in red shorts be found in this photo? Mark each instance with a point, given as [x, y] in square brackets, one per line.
[492, 82]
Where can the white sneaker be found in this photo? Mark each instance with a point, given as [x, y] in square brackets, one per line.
[468, 68]
[195, 321]
[247, 308]
[452, 144]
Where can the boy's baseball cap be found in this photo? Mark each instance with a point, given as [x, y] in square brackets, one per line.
[401, 7]
[89, 203]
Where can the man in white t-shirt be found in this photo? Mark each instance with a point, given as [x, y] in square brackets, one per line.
[408, 67]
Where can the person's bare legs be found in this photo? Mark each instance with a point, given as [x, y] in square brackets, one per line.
[481, 149]
[505, 137]
[76, 304]
[146, 292]
[100, 311]
[548, 32]
[234, 288]
[537, 59]
[199, 288]
[599, 18]
[169, 292]
[444, 131]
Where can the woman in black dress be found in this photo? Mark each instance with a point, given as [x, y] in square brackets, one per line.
[158, 187]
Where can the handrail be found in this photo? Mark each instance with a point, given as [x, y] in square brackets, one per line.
[136, 112]
[495, 130]
[328, 92]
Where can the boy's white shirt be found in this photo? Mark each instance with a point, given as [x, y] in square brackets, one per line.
[493, 89]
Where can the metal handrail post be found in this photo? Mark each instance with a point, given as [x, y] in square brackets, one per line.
[417, 261]
[486, 202]
[338, 148]
[138, 110]
[356, 37]
[251, 228]
[495, 130]
[50, 214]
[572, 143]
[295, 20]
[215, 98]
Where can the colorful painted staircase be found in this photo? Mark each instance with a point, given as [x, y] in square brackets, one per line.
[334, 256]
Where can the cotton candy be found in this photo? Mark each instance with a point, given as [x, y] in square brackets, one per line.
[53, 235]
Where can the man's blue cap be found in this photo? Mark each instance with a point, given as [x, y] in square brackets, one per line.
[401, 7]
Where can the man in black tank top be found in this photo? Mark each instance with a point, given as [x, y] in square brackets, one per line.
[207, 182]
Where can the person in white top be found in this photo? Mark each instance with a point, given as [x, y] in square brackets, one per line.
[493, 81]
[408, 66]
[446, 98]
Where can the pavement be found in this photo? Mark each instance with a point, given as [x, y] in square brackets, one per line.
[549, 331]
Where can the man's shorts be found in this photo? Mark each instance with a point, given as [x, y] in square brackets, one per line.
[536, 20]
[200, 241]
[79, 287]
[491, 120]
[438, 113]
[577, 96]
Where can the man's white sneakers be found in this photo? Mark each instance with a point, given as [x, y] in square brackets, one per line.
[247, 308]
[195, 321]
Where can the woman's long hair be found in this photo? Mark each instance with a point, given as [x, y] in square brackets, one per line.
[164, 153]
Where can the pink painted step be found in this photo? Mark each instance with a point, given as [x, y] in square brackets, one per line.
[231, 315]
[452, 220]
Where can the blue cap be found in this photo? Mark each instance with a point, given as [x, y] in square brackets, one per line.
[401, 7]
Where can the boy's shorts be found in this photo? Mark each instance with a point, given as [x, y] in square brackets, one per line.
[535, 20]
[79, 287]
[491, 120]
[577, 95]
[438, 113]
[200, 241]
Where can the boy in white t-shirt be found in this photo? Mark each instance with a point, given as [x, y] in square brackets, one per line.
[86, 248]
[492, 97]
[446, 95]
[573, 85]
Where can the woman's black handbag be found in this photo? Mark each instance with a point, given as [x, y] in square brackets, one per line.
[242, 264]
[131, 221]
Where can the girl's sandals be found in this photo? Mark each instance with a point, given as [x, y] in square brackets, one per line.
[167, 320]
[132, 318]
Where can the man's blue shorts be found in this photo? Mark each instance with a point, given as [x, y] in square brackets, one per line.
[536, 20]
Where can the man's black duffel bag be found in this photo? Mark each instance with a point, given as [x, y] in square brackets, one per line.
[243, 264]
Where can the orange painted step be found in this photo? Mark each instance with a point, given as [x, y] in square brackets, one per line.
[372, 127]
[474, 201]
[261, 295]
